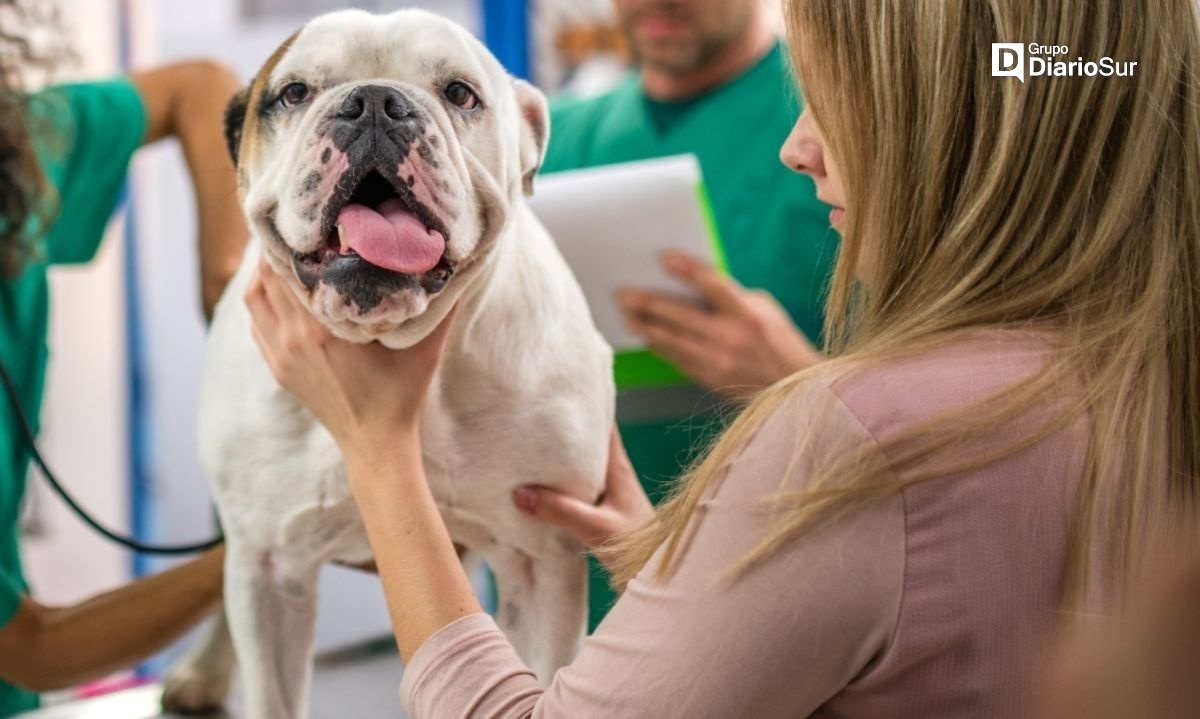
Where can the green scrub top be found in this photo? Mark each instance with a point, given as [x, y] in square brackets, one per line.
[84, 136]
[775, 233]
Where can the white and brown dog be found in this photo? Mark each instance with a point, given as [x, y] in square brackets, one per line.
[383, 162]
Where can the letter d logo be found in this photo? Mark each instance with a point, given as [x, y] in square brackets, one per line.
[1008, 60]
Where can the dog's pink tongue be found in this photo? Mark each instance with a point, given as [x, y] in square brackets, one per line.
[391, 237]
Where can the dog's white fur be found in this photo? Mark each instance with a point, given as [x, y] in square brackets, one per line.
[524, 394]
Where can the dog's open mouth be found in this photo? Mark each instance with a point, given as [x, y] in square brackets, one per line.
[379, 231]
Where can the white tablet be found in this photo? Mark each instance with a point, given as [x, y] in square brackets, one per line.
[612, 224]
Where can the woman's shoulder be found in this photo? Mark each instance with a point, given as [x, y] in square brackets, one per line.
[85, 135]
[815, 421]
[906, 390]
[62, 110]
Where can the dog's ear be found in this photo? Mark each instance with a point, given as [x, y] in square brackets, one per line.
[535, 130]
[235, 118]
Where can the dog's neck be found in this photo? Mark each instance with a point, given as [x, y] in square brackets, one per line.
[512, 294]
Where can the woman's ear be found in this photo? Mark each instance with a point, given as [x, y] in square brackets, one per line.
[235, 118]
[535, 130]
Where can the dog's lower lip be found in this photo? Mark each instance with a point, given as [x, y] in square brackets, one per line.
[310, 268]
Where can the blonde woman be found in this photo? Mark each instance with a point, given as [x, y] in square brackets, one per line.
[1011, 397]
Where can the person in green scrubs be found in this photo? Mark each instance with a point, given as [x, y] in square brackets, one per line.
[712, 81]
[64, 154]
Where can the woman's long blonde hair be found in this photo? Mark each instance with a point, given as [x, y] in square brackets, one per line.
[1067, 204]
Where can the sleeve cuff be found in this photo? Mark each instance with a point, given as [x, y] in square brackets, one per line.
[439, 644]
[464, 667]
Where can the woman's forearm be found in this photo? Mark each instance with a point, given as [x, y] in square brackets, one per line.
[117, 629]
[424, 582]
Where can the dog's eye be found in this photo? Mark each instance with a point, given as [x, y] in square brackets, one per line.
[460, 95]
[295, 93]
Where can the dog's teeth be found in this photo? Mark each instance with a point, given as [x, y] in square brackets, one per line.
[344, 248]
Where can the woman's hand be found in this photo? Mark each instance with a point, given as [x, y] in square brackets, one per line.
[743, 339]
[623, 505]
[369, 397]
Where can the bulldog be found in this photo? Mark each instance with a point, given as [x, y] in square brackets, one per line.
[383, 163]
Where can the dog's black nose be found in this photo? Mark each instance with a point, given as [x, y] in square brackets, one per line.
[376, 102]
[375, 124]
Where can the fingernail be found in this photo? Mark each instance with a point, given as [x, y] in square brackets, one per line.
[627, 298]
[526, 498]
[674, 260]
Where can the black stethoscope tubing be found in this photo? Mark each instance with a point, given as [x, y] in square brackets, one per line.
[25, 431]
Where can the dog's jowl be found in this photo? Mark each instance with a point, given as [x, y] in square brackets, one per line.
[383, 162]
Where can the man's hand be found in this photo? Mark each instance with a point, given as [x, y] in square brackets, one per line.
[623, 506]
[742, 340]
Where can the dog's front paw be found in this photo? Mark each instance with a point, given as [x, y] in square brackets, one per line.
[191, 688]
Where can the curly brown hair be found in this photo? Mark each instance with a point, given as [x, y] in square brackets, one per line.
[30, 48]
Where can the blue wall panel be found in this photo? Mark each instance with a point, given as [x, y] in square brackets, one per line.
[506, 33]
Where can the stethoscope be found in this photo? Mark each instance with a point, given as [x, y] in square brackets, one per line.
[25, 432]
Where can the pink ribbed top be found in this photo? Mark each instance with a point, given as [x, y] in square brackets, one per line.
[931, 603]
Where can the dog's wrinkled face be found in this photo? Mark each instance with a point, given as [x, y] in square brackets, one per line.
[378, 158]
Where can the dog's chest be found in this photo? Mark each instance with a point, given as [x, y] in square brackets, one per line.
[282, 474]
